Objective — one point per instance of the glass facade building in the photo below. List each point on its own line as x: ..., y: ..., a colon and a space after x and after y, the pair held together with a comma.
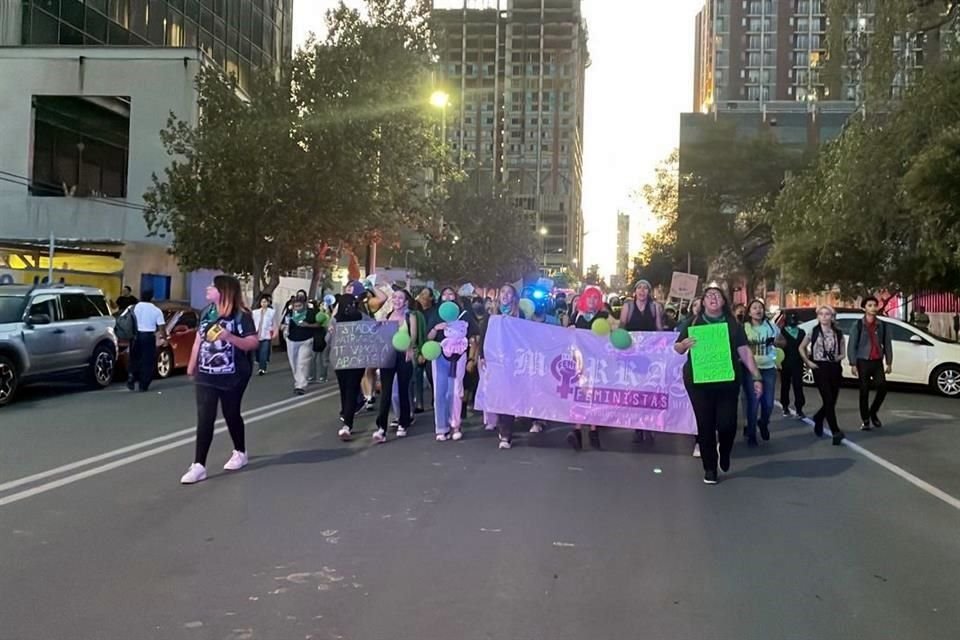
x: 240, y: 35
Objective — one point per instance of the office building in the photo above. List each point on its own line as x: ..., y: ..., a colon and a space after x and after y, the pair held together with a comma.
x: 88, y: 86
x: 515, y: 71
x: 769, y: 51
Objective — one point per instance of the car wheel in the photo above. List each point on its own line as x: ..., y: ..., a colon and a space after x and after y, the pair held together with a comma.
x: 9, y: 379
x: 164, y: 363
x: 102, y: 366
x: 808, y: 377
x: 946, y: 380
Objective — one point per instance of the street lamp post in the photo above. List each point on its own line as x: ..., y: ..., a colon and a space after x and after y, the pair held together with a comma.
x: 441, y: 99
x: 543, y: 246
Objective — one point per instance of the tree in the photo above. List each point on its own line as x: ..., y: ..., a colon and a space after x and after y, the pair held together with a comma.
x: 485, y: 240
x: 335, y: 151
x: 878, y: 209
x: 232, y: 196
x: 661, y: 253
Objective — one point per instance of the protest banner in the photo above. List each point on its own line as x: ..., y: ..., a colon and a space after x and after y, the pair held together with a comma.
x: 551, y: 373
x: 363, y: 344
x: 683, y: 286
x: 710, y: 358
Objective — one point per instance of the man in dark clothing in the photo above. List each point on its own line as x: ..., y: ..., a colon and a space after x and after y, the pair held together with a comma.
x: 126, y: 300
x: 791, y: 371
x: 870, y: 345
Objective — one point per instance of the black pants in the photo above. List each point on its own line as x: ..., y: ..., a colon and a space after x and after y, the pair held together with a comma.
x: 715, y: 407
x: 143, y: 359
x: 402, y: 371
x: 871, y: 371
x: 229, y: 400
x: 791, y: 376
x: 349, y: 382
x: 828, y: 375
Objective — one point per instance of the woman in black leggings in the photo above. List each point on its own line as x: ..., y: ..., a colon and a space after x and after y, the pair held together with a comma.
x: 349, y: 380
x: 822, y: 352
x: 221, y: 363
x: 401, y: 369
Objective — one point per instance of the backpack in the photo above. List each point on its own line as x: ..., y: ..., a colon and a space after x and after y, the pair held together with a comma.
x: 126, y: 327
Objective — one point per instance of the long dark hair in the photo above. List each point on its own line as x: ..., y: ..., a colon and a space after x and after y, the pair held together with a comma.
x: 231, y: 296
x: 347, y: 309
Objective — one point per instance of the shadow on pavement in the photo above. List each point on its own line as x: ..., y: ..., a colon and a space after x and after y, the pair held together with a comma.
x: 819, y: 468
x: 305, y: 456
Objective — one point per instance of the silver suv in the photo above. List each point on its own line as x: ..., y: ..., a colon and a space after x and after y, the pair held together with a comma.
x: 50, y: 332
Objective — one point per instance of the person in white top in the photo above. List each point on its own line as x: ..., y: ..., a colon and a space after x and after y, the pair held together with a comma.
x: 264, y: 319
x: 142, y: 363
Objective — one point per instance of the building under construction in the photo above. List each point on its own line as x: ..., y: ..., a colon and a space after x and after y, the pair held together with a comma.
x: 514, y: 71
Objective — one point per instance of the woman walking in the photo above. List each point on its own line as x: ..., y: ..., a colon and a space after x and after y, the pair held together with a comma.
x: 348, y: 380
x: 300, y: 329
x: 643, y: 313
x: 264, y: 318
x: 822, y: 351
x: 449, y: 371
x: 590, y: 307
x: 221, y: 364
x: 401, y: 370
x: 508, y: 305
x: 715, y: 403
x: 761, y: 336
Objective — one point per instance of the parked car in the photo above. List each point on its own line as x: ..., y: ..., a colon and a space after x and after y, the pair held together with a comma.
x: 50, y: 332
x: 806, y: 314
x: 181, y: 323
x: 918, y: 357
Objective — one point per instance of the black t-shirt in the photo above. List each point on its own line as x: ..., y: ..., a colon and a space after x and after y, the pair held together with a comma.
x: 738, y: 338
x: 220, y: 364
x: 296, y: 331
x: 582, y: 323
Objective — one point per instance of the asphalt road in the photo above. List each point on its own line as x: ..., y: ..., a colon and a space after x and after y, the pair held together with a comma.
x: 423, y: 540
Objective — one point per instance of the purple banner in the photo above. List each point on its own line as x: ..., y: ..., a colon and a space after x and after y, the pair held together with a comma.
x: 565, y: 375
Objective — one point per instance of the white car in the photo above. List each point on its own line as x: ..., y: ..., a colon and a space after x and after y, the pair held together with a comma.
x: 918, y: 357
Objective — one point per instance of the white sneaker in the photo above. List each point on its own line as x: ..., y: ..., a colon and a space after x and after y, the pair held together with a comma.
x: 395, y: 424
x: 379, y: 436
x: 696, y: 450
x: 345, y: 434
x: 536, y: 427
x: 489, y: 427
x: 196, y: 473
x: 504, y: 444
x: 401, y: 432
x: 458, y: 435
x: 441, y: 437
x: 236, y: 462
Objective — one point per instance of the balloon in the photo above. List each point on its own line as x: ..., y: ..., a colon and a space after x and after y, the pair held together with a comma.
x: 431, y: 350
x: 322, y: 319
x: 329, y: 300
x: 601, y: 327
x: 449, y: 311
x: 401, y: 341
x: 526, y: 305
x: 780, y: 356
x: 621, y: 339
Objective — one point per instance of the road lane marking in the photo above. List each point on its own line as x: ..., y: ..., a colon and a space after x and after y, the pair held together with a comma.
x: 923, y: 485
x: 287, y: 405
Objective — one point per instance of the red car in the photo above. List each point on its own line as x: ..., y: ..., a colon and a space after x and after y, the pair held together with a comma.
x: 182, y: 323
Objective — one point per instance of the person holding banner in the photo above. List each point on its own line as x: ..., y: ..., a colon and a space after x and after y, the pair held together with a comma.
x: 508, y: 304
x: 717, y: 346
x: 590, y: 306
x: 761, y: 336
x: 348, y: 380
x: 401, y: 371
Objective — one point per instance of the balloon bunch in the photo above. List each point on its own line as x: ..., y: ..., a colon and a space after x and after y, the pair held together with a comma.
x: 619, y: 338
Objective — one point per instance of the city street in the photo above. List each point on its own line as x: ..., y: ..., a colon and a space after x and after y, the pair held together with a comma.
x: 418, y: 539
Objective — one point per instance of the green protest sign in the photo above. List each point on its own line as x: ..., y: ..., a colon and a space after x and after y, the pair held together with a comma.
x: 710, y: 358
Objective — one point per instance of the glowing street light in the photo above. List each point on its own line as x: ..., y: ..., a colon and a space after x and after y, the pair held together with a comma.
x: 440, y: 99
x: 544, y: 231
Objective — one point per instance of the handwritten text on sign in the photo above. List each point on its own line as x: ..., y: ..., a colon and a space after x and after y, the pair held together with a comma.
x: 710, y: 358
x: 363, y: 345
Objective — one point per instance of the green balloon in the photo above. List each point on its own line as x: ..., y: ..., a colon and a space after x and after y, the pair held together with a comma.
x: 322, y: 319
x: 449, y: 312
x: 526, y: 305
x: 431, y: 350
x: 401, y: 341
x: 780, y: 356
x: 621, y: 339
x: 601, y: 327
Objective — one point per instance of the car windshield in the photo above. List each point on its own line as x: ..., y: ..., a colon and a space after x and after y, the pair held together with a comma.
x: 11, y: 309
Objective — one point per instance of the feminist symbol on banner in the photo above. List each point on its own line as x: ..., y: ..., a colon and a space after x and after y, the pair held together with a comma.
x: 565, y: 370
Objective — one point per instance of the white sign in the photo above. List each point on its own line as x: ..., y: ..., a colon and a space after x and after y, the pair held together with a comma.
x: 683, y: 285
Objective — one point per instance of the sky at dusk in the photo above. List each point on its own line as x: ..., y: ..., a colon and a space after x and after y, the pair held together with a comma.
x: 640, y: 80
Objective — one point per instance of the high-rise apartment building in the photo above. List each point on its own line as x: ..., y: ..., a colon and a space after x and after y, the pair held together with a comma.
x: 765, y: 51
x: 623, y: 247
x: 240, y: 35
x: 514, y: 70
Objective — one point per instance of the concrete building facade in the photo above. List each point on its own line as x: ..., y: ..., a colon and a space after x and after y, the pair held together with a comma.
x: 515, y: 72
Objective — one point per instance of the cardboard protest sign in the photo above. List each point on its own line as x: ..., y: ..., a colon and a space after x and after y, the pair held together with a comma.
x: 365, y: 344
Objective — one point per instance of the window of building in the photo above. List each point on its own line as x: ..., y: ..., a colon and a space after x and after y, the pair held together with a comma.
x: 80, y: 146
